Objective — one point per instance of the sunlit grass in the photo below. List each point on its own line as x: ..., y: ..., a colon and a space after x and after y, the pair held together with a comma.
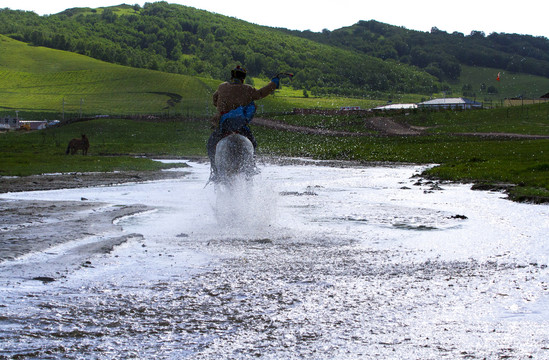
x: 115, y: 143
x: 46, y: 80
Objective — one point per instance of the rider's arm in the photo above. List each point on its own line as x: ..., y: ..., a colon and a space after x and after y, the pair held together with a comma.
x: 264, y: 91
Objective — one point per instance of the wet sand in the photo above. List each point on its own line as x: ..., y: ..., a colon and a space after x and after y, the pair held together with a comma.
x: 32, y: 227
x: 67, y: 233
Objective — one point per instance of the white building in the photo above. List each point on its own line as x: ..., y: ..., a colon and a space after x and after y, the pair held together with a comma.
x: 397, y: 107
x: 450, y: 103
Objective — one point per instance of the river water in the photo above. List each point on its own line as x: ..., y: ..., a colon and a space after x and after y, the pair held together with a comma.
x: 312, y: 262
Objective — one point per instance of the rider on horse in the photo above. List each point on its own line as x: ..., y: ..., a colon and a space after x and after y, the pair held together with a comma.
x: 235, y: 106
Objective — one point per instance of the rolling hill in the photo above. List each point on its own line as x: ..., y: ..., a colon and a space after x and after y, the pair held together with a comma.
x: 47, y: 82
x: 183, y: 40
x: 181, y: 53
x: 42, y: 79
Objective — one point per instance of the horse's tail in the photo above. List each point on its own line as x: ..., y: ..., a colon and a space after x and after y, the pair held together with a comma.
x: 68, y: 149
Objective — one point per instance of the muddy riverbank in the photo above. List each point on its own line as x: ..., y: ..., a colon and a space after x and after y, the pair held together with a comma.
x: 79, y: 180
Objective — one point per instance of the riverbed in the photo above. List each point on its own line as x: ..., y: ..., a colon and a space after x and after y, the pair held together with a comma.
x: 314, y: 261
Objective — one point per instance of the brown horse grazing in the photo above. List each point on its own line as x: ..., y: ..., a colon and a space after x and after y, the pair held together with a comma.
x: 78, y: 144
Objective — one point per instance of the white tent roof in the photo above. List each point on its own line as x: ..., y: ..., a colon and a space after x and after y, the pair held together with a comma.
x: 450, y: 101
x: 396, y: 107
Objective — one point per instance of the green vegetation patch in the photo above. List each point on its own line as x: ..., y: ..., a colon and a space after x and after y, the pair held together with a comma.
x: 531, y: 120
x: 115, y: 145
x: 517, y: 165
x: 33, y: 162
x: 520, y: 165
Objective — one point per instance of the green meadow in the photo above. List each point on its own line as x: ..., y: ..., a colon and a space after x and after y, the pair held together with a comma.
x: 39, y: 82
x: 510, y: 85
x: 37, y: 79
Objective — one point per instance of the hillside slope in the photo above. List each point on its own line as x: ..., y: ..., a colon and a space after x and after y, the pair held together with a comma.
x: 438, y: 52
x: 179, y: 39
x: 38, y: 78
x: 365, y: 60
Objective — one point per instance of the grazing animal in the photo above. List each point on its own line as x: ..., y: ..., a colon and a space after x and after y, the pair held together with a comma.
x: 78, y: 144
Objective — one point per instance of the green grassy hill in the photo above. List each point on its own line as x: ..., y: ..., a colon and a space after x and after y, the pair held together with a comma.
x: 42, y: 79
x: 443, y: 55
x: 180, y: 39
x: 40, y: 82
x: 366, y: 60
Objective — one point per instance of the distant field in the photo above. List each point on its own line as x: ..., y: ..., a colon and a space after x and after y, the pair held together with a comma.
x: 532, y: 119
x: 510, y: 84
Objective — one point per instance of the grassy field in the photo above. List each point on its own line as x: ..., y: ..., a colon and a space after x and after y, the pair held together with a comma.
x: 464, y: 159
x: 41, y: 80
x: 118, y: 144
x: 493, y: 161
x: 510, y: 84
x: 533, y: 120
x: 38, y: 81
x: 115, y: 144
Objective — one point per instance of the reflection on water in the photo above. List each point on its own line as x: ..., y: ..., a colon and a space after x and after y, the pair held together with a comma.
x: 326, y: 263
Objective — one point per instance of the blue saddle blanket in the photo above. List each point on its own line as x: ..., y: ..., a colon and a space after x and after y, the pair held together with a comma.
x: 237, y: 118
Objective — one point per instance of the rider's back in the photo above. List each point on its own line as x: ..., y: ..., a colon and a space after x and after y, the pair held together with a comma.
x: 230, y: 96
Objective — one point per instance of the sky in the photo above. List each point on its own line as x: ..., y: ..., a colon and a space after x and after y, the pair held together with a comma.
x: 527, y: 17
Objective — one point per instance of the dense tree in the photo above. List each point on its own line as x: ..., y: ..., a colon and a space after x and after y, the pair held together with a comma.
x: 366, y: 57
x: 439, y: 52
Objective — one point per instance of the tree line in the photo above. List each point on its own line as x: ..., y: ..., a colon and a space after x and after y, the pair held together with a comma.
x: 361, y: 60
x: 184, y: 40
x: 439, y: 53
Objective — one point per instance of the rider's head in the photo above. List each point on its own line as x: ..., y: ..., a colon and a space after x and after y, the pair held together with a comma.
x: 238, y: 73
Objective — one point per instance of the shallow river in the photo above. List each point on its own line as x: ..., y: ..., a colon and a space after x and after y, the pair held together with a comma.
x: 314, y: 262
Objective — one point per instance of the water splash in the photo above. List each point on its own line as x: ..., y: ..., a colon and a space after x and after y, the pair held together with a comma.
x: 246, y: 206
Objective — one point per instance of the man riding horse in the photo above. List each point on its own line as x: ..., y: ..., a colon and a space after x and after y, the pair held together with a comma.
x: 235, y: 106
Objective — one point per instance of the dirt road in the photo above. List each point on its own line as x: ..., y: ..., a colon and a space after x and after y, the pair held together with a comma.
x: 383, y: 126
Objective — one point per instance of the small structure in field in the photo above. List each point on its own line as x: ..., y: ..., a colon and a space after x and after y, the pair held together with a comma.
x: 451, y: 103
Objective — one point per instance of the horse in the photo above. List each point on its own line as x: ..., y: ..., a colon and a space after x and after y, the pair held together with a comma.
x: 78, y: 144
x: 234, y: 156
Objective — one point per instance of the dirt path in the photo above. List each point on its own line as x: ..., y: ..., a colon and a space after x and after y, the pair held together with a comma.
x: 384, y: 126
x: 388, y: 126
x: 279, y: 125
x: 504, y: 135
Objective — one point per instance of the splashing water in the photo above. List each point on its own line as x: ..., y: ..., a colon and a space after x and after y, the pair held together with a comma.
x: 248, y: 205
x: 304, y: 262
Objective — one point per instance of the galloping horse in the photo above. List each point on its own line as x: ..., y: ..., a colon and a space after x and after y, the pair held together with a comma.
x: 78, y: 144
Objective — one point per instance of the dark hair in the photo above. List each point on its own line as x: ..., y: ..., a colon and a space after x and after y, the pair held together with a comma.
x: 238, y: 73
